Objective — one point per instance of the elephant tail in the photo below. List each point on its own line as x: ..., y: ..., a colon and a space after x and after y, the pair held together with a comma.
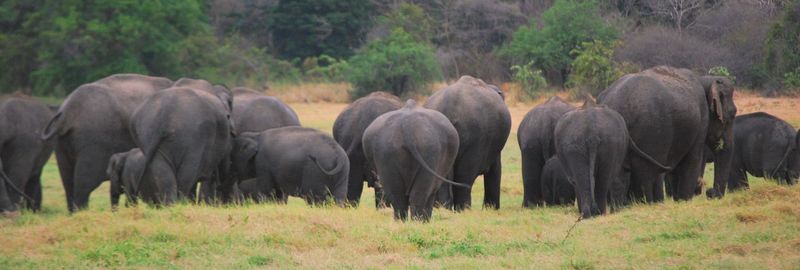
x: 52, y: 126
x: 411, y: 146
x: 149, y: 155
x: 13, y: 186
x: 338, y: 168
x: 775, y: 171
x: 647, y: 157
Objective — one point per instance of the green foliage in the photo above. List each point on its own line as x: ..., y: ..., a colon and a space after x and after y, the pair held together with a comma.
x: 721, y: 71
x: 412, y: 19
x: 397, y: 64
x: 304, y: 28
x: 593, y: 69
x: 324, y: 68
x: 782, y: 57
x: 528, y: 78
x: 567, y: 24
x: 792, y: 79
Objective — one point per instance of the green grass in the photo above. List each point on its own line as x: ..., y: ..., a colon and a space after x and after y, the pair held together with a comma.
x: 759, y: 228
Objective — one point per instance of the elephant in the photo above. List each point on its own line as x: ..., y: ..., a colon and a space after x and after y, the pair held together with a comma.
x: 556, y: 188
x: 22, y: 153
x: 255, y: 112
x: 296, y: 161
x: 410, y: 149
x: 673, y: 114
x: 91, y: 125
x: 478, y: 112
x: 535, y: 136
x: 348, y: 130
x: 124, y: 170
x: 766, y: 146
x: 187, y: 128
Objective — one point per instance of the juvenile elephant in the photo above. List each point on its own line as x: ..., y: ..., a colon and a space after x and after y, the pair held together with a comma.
x: 479, y: 114
x: 256, y: 112
x: 766, y: 146
x: 189, y: 129
x: 22, y: 153
x: 556, y: 188
x: 91, y: 125
x: 411, y: 149
x: 348, y: 130
x: 124, y: 170
x: 535, y: 136
x: 673, y: 114
x: 294, y: 161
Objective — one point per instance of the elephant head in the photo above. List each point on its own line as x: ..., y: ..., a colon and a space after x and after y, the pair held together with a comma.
x: 243, y: 156
x: 793, y: 160
x: 722, y: 110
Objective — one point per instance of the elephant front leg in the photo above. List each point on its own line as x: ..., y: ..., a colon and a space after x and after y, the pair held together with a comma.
x: 491, y: 197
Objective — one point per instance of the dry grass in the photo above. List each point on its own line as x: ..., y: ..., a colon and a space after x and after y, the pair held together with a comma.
x: 759, y: 228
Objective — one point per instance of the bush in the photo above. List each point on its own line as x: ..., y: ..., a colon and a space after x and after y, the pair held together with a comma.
x: 397, y: 64
x: 593, y: 69
x: 567, y: 24
x: 529, y: 79
x: 721, y: 71
x: 782, y: 59
x: 792, y: 79
x: 325, y: 68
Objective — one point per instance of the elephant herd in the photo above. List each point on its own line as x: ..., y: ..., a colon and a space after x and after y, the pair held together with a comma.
x: 648, y: 135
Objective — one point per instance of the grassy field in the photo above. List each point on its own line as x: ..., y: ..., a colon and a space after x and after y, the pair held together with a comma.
x: 756, y: 229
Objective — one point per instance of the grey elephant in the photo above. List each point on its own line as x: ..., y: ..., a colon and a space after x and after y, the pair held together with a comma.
x: 348, y: 130
x: 766, y: 146
x: 255, y: 112
x: 591, y: 143
x: 535, y: 136
x: 672, y: 115
x: 22, y: 153
x: 291, y: 161
x: 91, y: 125
x: 411, y: 149
x: 555, y: 186
x: 124, y: 171
x: 188, y: 128
x: 479, y: 114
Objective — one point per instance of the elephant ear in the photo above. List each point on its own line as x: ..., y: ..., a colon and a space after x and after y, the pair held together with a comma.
x: 247, y: 149
x: 715, y: 101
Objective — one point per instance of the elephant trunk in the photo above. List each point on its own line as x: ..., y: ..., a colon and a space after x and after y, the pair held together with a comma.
x: 722, y: 164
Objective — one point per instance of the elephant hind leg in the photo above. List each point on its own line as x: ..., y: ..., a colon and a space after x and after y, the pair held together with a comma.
x: 89, y: 174
x: 687, y: 173
x: 533, y: 194
x: 34, y: 191
x: 738, y: 180
x: 491, y: 180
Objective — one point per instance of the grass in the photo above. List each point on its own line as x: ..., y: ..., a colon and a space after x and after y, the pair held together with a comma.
x: 759, y: 228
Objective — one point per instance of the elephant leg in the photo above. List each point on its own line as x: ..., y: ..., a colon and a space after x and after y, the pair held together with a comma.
x: 491, y: 181
x: 66, y: 168
x: 167, y: 191
x: 421, y: 205
x: 738, y: 180
x: 687, y: 173
x: 380, y: 198
x: 89, y: 174
x: 18, y: 170
x: 34, y: 191
x: 6, y: 205
x: 208, y: 192
x: 444, y: 196
x: 658, y: 189
x: 355, y: 184
x: 532, y: 194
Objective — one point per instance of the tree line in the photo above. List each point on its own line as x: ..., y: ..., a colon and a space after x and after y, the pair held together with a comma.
x: 49, y: 47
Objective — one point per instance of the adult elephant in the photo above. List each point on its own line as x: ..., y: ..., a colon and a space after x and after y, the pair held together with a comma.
x: 766, y: 146
x: 348, y: 130
x: 22, y: 153
x: 672, y: 115
x: 535, y: 136
x: 479, y: 114
x: 187, y: 127
x: 256, y: 112
x: 411, y: 149
x: 91, y: 125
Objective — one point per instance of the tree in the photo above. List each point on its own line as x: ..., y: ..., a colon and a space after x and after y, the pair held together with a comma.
x: 594, y: 69
x: 411, y: 18
x: 567, y: 24
x: 682, y: 13
x: 304, y: 28
x: 782, y: 60
x: 397, y: 64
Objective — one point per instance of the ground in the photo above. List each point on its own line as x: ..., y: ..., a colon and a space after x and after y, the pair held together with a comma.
x: 758, y: 228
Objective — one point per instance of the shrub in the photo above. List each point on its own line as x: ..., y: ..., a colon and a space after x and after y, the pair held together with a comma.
x: 397, y: 64
x: 529, y: 79
x: 325, y: 68
x: 593, y: 69
x: 721, y: 71
x: 792, y: 79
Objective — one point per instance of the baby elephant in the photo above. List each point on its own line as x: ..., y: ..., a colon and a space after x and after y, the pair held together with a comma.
x: 556, y: 188
x: 411, y: 149
x: 124, y: 170
x: 766, y: 146
x: 294, y: 161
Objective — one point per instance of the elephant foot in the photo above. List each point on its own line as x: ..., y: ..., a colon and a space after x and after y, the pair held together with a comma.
x: 11, y: 214
x: 712, y: 193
